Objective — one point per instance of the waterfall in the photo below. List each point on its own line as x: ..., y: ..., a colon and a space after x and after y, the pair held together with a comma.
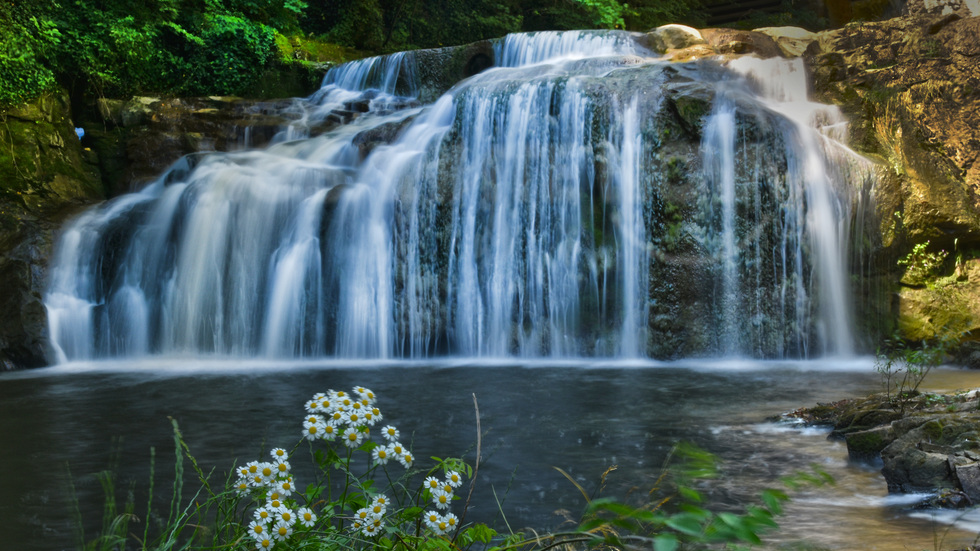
x: 554, y: 205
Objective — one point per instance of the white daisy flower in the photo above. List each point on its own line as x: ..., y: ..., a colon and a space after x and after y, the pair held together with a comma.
x: 285, y: 487
x: 441, y: 498
x: 314, y: 419
x: 274, y: 495
x: 275, y: 506
x: 390, y: 433
x: 253, y: 467
x: 279, y: 454
x: 353, y: 437
x: 432, y: 519
x: 406, y: 459
x: 451, y: 520
x: 380, y: 455
x: 370, y: 530
x: 312, y: 431
x: 375, y: 415
x: 242, y: 487
x: 357, y: 406
x: 320, y: 396
x: 263, y: 515
x: 257, y: 480
x: 243, y: 472
x: 396, y: 449
x: 306, y: 517
x: 454, y: 479
x: 354, y: 419
x: 281, y: 467
x: 329, y: 432
x: 312, y: 406
x: 377, y: 509
x: 381, y: 500
x: 281, y: 530
x: 268, y: 471
x: 363, y: 515
x: 337, y: 417
x: 431, y: 483
x: 287, y: 516
x: 256, y: 529
x: 264, y: 542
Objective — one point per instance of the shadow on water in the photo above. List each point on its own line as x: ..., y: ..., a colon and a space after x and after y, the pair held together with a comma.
x: 582, y: 418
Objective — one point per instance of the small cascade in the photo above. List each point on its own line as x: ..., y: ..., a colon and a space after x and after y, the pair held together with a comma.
x: 555, y: 205
x: 516, y: 50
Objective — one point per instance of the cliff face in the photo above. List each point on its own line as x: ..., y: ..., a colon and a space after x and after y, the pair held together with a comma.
x: 911, y: 87
x: 45, y: 175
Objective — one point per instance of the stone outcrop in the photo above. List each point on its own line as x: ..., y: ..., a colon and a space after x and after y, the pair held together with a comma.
x: 45, y: 176
x: 925, y: 443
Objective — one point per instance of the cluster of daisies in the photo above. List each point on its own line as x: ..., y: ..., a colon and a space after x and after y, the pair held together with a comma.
x: 441, y: 494
x: 350, y: 416
x: 272, y: 483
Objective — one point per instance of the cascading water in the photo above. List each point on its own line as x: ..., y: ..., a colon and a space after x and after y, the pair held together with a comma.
x: 563, y: 203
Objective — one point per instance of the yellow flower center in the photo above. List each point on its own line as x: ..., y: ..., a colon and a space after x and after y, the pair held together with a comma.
x: 307, y: 517
x: 283, y: 468
x: 258, y: 528
x: 283, y: 530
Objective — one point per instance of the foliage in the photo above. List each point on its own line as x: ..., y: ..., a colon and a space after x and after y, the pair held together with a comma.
x: 904, y: 367
x: 921, y: 264
x: 607, y: 14
x: 222, y: 46
x: 359, y: 499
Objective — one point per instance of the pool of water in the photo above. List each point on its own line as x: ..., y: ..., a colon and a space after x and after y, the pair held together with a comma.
x: 582, y: 417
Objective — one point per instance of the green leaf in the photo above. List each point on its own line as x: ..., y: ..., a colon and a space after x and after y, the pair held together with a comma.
x: 686, y: 523
x: 665, y: 542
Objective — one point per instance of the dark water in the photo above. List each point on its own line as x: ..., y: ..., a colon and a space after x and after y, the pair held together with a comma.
x: 582, y: 418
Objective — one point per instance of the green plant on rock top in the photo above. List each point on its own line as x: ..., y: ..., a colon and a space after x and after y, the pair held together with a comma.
x: 904, y: 367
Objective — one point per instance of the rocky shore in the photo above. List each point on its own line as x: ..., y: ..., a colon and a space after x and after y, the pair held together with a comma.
x: 924, y: 442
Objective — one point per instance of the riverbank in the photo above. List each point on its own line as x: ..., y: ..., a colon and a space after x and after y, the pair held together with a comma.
x: 924, y: 441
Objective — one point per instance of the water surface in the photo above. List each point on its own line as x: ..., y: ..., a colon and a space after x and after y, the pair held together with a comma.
x: 581, y: 417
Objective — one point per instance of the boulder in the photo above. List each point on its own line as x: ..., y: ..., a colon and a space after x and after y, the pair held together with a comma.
x: 671, y: 37
x: 792, y: 41
x: 734, y: 41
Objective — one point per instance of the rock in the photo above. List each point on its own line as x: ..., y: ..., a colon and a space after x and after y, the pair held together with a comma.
x: 922, y: 459
x: 792, y: 41
x: 958, y: 8
x: 865, y: 445
x: 671, y: 37
x: 969, y: 480
x: 734, y: 41
x: 44, y: 177
x: 439, y: 69
x: 911, y: 86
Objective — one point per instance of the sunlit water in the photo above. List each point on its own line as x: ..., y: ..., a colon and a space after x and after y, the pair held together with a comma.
x: 580, y: 417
